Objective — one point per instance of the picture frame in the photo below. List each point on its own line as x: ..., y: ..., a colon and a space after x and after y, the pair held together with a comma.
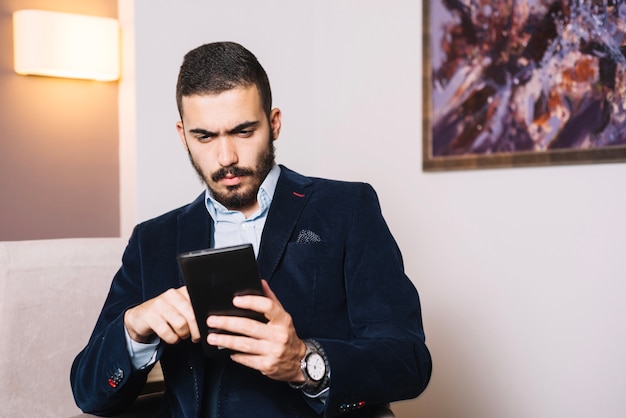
x: 508, y: 86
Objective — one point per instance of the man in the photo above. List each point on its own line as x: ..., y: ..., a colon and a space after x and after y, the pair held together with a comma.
x: 344, y: 330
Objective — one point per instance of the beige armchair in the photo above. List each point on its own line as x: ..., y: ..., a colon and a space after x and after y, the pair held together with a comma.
x: 51, y: 292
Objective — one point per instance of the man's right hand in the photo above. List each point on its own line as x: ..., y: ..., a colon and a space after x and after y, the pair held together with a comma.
x: 168, y: 316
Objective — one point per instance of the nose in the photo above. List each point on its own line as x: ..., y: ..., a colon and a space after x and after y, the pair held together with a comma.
x: 227, y: 153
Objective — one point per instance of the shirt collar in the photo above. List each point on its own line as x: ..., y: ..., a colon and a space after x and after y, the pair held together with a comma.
x: 264, y: 197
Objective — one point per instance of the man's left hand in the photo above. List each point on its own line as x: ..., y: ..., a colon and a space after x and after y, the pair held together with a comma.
x: 273, y: 348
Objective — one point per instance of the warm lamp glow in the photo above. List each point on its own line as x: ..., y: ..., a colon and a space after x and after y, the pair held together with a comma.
x: 66, y: 45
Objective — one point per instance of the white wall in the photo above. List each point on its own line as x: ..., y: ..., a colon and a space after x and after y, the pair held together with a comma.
x: 521, y: 271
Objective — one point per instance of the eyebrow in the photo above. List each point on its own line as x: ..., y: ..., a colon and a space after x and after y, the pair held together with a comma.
x: 241, y: 127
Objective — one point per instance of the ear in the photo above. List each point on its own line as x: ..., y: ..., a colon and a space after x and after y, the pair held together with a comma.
x: 181, y: 133
x: 275, y: 122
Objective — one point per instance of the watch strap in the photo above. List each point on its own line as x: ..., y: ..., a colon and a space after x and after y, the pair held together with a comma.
x: 309, y: 386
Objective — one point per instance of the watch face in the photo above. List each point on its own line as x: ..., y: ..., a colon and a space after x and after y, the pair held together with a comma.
x: 315, y: 367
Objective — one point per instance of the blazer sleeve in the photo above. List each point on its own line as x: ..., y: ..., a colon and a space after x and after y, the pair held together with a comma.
x: 102, y: 377
x: 387, y: 359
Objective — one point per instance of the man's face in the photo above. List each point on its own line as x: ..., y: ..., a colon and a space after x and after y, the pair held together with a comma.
x: 230, y: 143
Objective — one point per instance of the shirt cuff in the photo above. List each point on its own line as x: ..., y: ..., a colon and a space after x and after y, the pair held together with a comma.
x: 317, y: 402
x: 142, y: 355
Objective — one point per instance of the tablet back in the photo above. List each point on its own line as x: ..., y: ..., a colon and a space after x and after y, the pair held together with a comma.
x: 214, y: 277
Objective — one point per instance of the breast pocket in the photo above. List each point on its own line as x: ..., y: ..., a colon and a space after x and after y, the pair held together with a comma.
x: 310, y: 285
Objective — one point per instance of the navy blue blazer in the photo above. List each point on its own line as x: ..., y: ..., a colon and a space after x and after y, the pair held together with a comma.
x: 329, y: 256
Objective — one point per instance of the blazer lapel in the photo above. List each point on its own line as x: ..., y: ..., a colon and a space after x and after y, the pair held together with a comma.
x: 292, y: 193
x: 194, y: 228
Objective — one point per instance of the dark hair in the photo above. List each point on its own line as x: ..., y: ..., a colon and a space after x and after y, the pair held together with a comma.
x: 220, y: 66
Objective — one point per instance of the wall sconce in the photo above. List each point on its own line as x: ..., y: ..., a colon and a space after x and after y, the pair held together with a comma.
x: 66, y: 45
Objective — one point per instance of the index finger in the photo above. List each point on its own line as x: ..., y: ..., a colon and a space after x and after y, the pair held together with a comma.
x: 269, y: 305
x: 190, y: 316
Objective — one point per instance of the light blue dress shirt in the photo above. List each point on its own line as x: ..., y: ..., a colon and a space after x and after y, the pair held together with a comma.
x: 231, y: 227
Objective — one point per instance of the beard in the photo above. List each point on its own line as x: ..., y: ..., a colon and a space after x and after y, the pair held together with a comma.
x: 238, y: 197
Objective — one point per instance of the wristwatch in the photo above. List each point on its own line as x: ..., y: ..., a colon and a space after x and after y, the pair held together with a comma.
x: 315, y: 368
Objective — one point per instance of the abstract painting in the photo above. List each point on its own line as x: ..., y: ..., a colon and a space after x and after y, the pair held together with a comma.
x: 511, y: 83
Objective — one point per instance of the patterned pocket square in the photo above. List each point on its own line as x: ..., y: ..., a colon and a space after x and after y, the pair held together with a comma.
x: 307, y: 235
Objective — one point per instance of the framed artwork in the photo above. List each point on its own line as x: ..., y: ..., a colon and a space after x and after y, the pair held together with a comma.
x: 510, y: 83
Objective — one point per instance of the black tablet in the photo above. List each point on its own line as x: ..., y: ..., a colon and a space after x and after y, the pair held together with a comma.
x: 214, y: 277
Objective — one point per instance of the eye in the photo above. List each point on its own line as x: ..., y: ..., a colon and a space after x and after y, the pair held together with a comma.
x: 245, y: 133
x: 204, y: 137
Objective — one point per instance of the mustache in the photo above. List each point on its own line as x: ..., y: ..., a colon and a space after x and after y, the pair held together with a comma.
x: 231, y: 171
